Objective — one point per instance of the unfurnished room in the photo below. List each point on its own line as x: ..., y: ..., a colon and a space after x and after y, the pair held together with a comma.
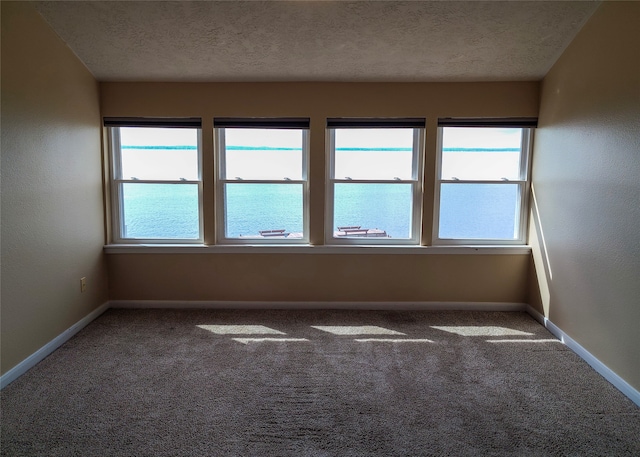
x: 320, y: 228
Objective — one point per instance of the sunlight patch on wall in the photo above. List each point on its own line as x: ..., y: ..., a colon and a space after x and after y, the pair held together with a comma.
x: 241, y: 330
x: 542, y: 264
x: 535, y: 212
x: 355, y: 330
x: 481, y: 331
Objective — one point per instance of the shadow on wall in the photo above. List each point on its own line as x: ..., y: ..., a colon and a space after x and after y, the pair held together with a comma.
x: 541, y: 275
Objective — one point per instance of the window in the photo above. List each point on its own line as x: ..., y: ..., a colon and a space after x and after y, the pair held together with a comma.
x: 156, y: 180
x: 373, y: 181
x: 374, y: 187
x: 482, y: 181
x: 262, y: 188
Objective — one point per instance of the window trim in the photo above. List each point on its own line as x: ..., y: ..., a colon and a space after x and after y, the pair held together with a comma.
x: 220, y: 125
x: 418, y: 126
x: 309, y: 249
x: 524, y: 185
x: 116, y: 180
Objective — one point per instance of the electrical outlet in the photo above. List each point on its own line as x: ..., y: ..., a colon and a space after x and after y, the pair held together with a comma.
x: 83, y: 284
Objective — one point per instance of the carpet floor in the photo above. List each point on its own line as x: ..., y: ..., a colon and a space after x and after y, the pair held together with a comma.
x: 315, y: 383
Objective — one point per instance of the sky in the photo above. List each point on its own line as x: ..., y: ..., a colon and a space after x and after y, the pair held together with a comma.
x: 287, y: 163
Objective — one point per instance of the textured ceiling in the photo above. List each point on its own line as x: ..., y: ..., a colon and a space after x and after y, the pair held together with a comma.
x: 317, y: 40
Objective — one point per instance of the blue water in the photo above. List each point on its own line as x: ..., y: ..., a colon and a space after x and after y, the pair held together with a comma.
x: 160, y: 211
x: 171, y: 211
x: 255, y: 207
x: 478, y: 211
x: 374, y: 206
x: 168, y: 211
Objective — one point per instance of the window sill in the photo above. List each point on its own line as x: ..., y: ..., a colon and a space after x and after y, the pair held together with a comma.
x: 309, y: 249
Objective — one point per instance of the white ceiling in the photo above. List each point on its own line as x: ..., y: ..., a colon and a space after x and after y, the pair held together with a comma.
x: 300, y: 40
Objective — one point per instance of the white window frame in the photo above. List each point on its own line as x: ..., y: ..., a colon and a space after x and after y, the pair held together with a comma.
x: 117, y: 180
x: 221, y: 180
x: 416, y: 182
x: 523, y: 183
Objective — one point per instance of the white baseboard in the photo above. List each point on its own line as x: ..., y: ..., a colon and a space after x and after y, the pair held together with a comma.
x: 51, y: 346
x: 355, y: 305
x: 622, y: 385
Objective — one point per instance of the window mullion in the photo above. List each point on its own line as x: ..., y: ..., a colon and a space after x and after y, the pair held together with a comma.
x: 416, y: 220
x: 416, y: 154
x: 222, y: 153
x: 330, y: 187
x: 219, y: 185
x: 305, y: 155
x: 118, y: 220
x: 524, y: 154
x: 116, y: 148
x: 116, y: 191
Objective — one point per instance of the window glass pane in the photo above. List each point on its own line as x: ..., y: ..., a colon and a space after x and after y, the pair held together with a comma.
x: 479, y: 211
x: 159, y: 153
x: 274, y: 154
x: 160, y: 211
x: 273, y: 209
x: 372, y: 210
x: 470, y: 153
x: 373, y: 154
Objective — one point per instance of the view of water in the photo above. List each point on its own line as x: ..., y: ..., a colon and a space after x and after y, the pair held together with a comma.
x: 468, y: 211
x: 160, y: 210
x: 171, y: 211
x: 484, y: 211
x: 478, y: 211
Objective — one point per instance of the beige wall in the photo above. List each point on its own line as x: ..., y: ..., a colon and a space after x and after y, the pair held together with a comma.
x: 319, y: 101
x: 52, y: 217
x: 319, y: 277
x: 311, y: 277
x: 586, y: 178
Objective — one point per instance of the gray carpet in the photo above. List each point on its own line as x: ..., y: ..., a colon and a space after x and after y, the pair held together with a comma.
x: 154, y: 383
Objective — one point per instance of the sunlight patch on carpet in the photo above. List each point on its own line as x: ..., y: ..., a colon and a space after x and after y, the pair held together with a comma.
x: 241, y: 330
x: 391, y: 340
x: 356, y: 330
x: 481, y: 331
x: 268, y: 340
x: 525, y: 341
